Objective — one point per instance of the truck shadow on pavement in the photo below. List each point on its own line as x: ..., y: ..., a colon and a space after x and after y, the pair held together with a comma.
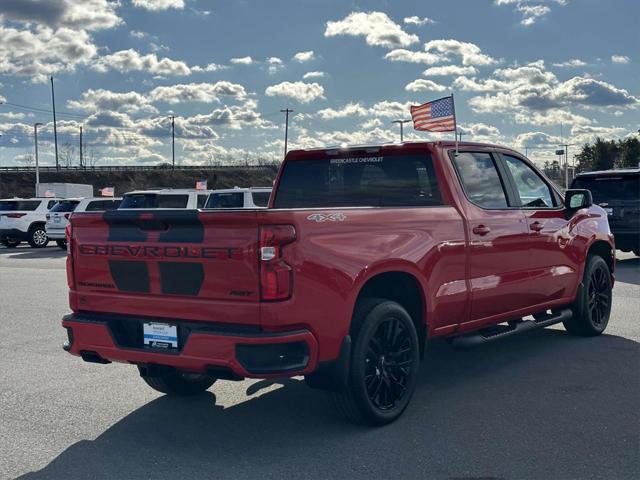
x: 33, y: 253
x: 543, y: 405
x: 628, y: 270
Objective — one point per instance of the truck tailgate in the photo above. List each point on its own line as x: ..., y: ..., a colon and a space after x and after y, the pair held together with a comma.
x: 171, y: 264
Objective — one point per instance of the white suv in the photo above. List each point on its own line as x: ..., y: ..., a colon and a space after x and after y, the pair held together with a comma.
x: 166, y: 198
x: 58, y: 216
x: 24, y: 219
x: 254, y: 197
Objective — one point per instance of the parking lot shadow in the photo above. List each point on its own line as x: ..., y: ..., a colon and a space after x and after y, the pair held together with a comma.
x: 544, y: 405
x: 33, y: 253
x: 628, y: 270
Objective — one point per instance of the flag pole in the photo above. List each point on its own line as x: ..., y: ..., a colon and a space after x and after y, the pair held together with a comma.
x: 455, y: 123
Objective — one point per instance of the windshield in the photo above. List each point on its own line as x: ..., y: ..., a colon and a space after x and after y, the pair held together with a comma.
x: 384, y: 181
x: 65, y: 206
x: 18, y: 205
x: 154, y: 200
x: 611, y: 189
x: 226, y: 200
x: 261, y: 199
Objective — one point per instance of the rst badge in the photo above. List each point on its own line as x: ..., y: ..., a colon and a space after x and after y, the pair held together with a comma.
x: 327, y: 217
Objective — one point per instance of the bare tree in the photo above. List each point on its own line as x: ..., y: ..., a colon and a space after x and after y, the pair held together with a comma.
x: 67, y: 154
x: 27, y: 159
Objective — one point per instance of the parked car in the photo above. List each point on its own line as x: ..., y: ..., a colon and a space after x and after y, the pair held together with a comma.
x: 618, y: 192
x: 24, y: 219
x: 254, y: 197
x: 58, y: 216
x: 165, y: 198
x: 362, y: 255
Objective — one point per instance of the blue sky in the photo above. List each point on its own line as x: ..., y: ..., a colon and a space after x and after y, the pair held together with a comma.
x: 518, y: 69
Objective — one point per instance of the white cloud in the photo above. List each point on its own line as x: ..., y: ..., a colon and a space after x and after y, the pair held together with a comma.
x: 156, y: 5
x: 415, y: 20
x: 314, y: 74
x: 304, y: 56
x: 620, y: 59
x: 100, y: 99
x: 131, y: 60
x: 531, y: 13
x: 197, y: 92
x: 348, y: 110
x: 422, y: 85
x: 300, y: 91
x: 449, y: 70
x: 377, y: 28
x: 469, y: 52
x: 274, y: 64
x: 242, y: 60
x: 211, y: 67
x: 480, y: 132
x: 410, y: 56
x: 572, y: 63
x: 73, y: 14
x: 137, y: 34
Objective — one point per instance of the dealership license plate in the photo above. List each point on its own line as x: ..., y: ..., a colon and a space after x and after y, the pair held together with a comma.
x: 609, y: 211
x: 160, y: 335
x: 56, y: 219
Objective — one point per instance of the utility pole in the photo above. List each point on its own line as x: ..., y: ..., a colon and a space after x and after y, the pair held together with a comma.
x: 80, y: 146
x: 35, y: 142
x: 173, y: 141
x: 286, y: 111
x: 401, y: 123
x: 55, y: 127
x: 460, y: 134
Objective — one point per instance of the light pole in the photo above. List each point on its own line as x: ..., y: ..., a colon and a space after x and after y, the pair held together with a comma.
x: 173, y: 141
x: 286, y: 112
x: 35, y: 142
x: 401, y: 123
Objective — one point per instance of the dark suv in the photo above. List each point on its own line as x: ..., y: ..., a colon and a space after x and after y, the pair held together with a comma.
x: 618, y: 192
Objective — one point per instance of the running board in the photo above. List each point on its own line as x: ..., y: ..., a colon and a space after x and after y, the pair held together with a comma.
x: 512, y: 328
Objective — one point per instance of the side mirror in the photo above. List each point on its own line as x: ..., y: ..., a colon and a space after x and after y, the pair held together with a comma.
x: 576, y: 199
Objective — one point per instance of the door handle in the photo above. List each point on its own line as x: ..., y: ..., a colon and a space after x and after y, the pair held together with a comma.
x: 481, y: 230
x: 536, y: 226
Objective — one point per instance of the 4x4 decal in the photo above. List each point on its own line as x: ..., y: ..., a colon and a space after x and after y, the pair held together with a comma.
x: 327, y: 217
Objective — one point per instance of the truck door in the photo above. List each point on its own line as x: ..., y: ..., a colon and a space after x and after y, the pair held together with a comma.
x: 498, y: 234
x: 553, y: 259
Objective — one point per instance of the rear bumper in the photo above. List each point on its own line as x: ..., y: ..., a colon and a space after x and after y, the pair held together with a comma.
x: 12, y: 233
x: 55, y: 233
x: 202, y: 347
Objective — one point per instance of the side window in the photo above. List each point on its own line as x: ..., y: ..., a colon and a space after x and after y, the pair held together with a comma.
x: 51, y: 204
x: 480, y: 179
x: 202, y: 200
x: 101, y: 205
x: 533, y: 191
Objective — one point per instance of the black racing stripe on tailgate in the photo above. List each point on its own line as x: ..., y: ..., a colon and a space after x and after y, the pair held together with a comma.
x: 184, y: 227
x: 122, y: 227
x: 130, y: 276
x: 179, y: 278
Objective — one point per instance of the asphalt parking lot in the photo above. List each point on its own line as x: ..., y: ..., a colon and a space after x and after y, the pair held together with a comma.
x: 542, y: 406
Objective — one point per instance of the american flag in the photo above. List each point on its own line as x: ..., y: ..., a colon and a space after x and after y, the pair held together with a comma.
x: 436, y: 116
x: 107, y: 191
x: 201, y: 185
x: 49, y: 194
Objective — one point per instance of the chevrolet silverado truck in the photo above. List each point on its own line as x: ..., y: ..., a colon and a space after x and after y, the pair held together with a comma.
x: 362, y: 256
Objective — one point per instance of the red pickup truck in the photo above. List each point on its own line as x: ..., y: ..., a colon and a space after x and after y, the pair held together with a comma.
x: 362, y: 256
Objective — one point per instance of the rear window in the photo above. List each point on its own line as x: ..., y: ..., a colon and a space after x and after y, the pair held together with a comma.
x: 19, y: 205
x: 153, y: 200
x: 65, y: 206
x: 226, y: 200
x: 102, y: 205
x: 611, y: 189
x: 261, y: 199
x: 378, y: 181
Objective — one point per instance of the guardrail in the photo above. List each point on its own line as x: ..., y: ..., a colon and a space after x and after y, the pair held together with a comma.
x: 137, y: 168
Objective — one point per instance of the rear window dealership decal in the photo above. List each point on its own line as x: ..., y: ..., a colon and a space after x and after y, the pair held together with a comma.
x: 356, y: 160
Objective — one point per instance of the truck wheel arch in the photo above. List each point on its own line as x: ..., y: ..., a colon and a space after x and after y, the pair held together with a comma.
x: 401, y: 287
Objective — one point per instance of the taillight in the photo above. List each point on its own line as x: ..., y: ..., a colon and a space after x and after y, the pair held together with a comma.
x: 276, y: 276
x: 67, y: 215
x: 15, y: 215
x: 68, y: 236
x: 48, y: 217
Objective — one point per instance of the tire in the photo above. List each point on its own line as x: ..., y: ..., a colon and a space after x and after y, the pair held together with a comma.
x: 182, y: 384
x: 384, y: 363
x: 636, y: 252
x: 62, y: 244
x: 11, y: 242
x: 38, y: 237
x: 592, y: 307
